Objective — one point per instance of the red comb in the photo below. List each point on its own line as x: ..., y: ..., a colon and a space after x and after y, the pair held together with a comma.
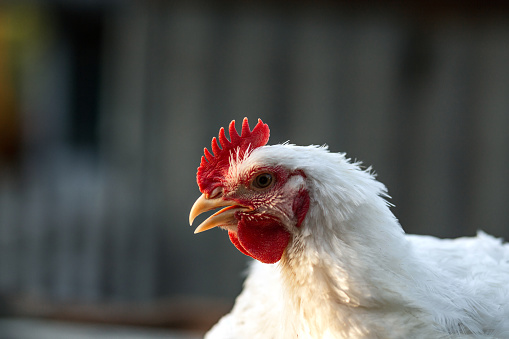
x: 213, y: 167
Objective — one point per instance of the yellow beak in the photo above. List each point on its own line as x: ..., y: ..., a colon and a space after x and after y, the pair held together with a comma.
x: 223, y: 217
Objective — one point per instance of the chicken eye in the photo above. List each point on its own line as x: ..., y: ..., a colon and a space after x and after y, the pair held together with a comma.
x: 263, y: 180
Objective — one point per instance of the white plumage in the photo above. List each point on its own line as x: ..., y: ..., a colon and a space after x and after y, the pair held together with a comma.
x: 349, y: 271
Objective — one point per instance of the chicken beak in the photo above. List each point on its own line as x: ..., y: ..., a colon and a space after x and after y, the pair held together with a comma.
x: 223, y: 217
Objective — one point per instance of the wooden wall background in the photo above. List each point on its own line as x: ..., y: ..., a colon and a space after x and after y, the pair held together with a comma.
x: 113, y: 118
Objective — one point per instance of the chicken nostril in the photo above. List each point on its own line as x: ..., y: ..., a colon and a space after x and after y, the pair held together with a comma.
x: 216, y: 192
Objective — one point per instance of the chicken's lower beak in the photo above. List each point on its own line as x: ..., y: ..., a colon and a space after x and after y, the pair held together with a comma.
x: 223, y: 217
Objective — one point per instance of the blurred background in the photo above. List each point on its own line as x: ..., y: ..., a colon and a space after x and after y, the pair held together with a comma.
x: 105, y: 107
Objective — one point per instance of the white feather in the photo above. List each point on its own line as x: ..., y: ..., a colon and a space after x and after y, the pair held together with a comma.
x: 351, y: 272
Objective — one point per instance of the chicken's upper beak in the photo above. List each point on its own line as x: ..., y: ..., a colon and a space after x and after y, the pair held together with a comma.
x: 223, y: 217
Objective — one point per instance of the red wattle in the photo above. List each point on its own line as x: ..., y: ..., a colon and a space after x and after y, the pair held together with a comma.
x: 264, y: 239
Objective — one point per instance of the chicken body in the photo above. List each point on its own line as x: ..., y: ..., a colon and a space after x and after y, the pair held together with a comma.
x: 348, y: 270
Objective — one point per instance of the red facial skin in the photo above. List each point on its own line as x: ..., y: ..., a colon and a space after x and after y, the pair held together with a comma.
x: 261, y: 233
x: 263, y: 236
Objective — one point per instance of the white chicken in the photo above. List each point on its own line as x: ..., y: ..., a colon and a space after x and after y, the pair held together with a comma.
x: 332, y: 261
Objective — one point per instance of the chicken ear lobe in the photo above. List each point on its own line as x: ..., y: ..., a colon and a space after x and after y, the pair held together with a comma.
x: 263, y: 238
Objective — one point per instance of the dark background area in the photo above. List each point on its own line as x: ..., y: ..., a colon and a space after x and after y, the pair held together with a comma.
x: 105, y: 107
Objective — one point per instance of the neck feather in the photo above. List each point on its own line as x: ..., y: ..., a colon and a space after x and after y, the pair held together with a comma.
x: 355, y: 266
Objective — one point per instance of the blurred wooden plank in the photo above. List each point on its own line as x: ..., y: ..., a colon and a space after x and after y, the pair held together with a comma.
x: 373, y: 77
x: 252, y: 59
x: 66, y: 229
x: 184, y: 313
x: 316, y: 98
x: 89, y: 264
x: 34, y: 226
x: 10, y: 255
x: 437, y: 161
x: 23, y: 328
x: 489, y: 191
x: 123, y: 143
